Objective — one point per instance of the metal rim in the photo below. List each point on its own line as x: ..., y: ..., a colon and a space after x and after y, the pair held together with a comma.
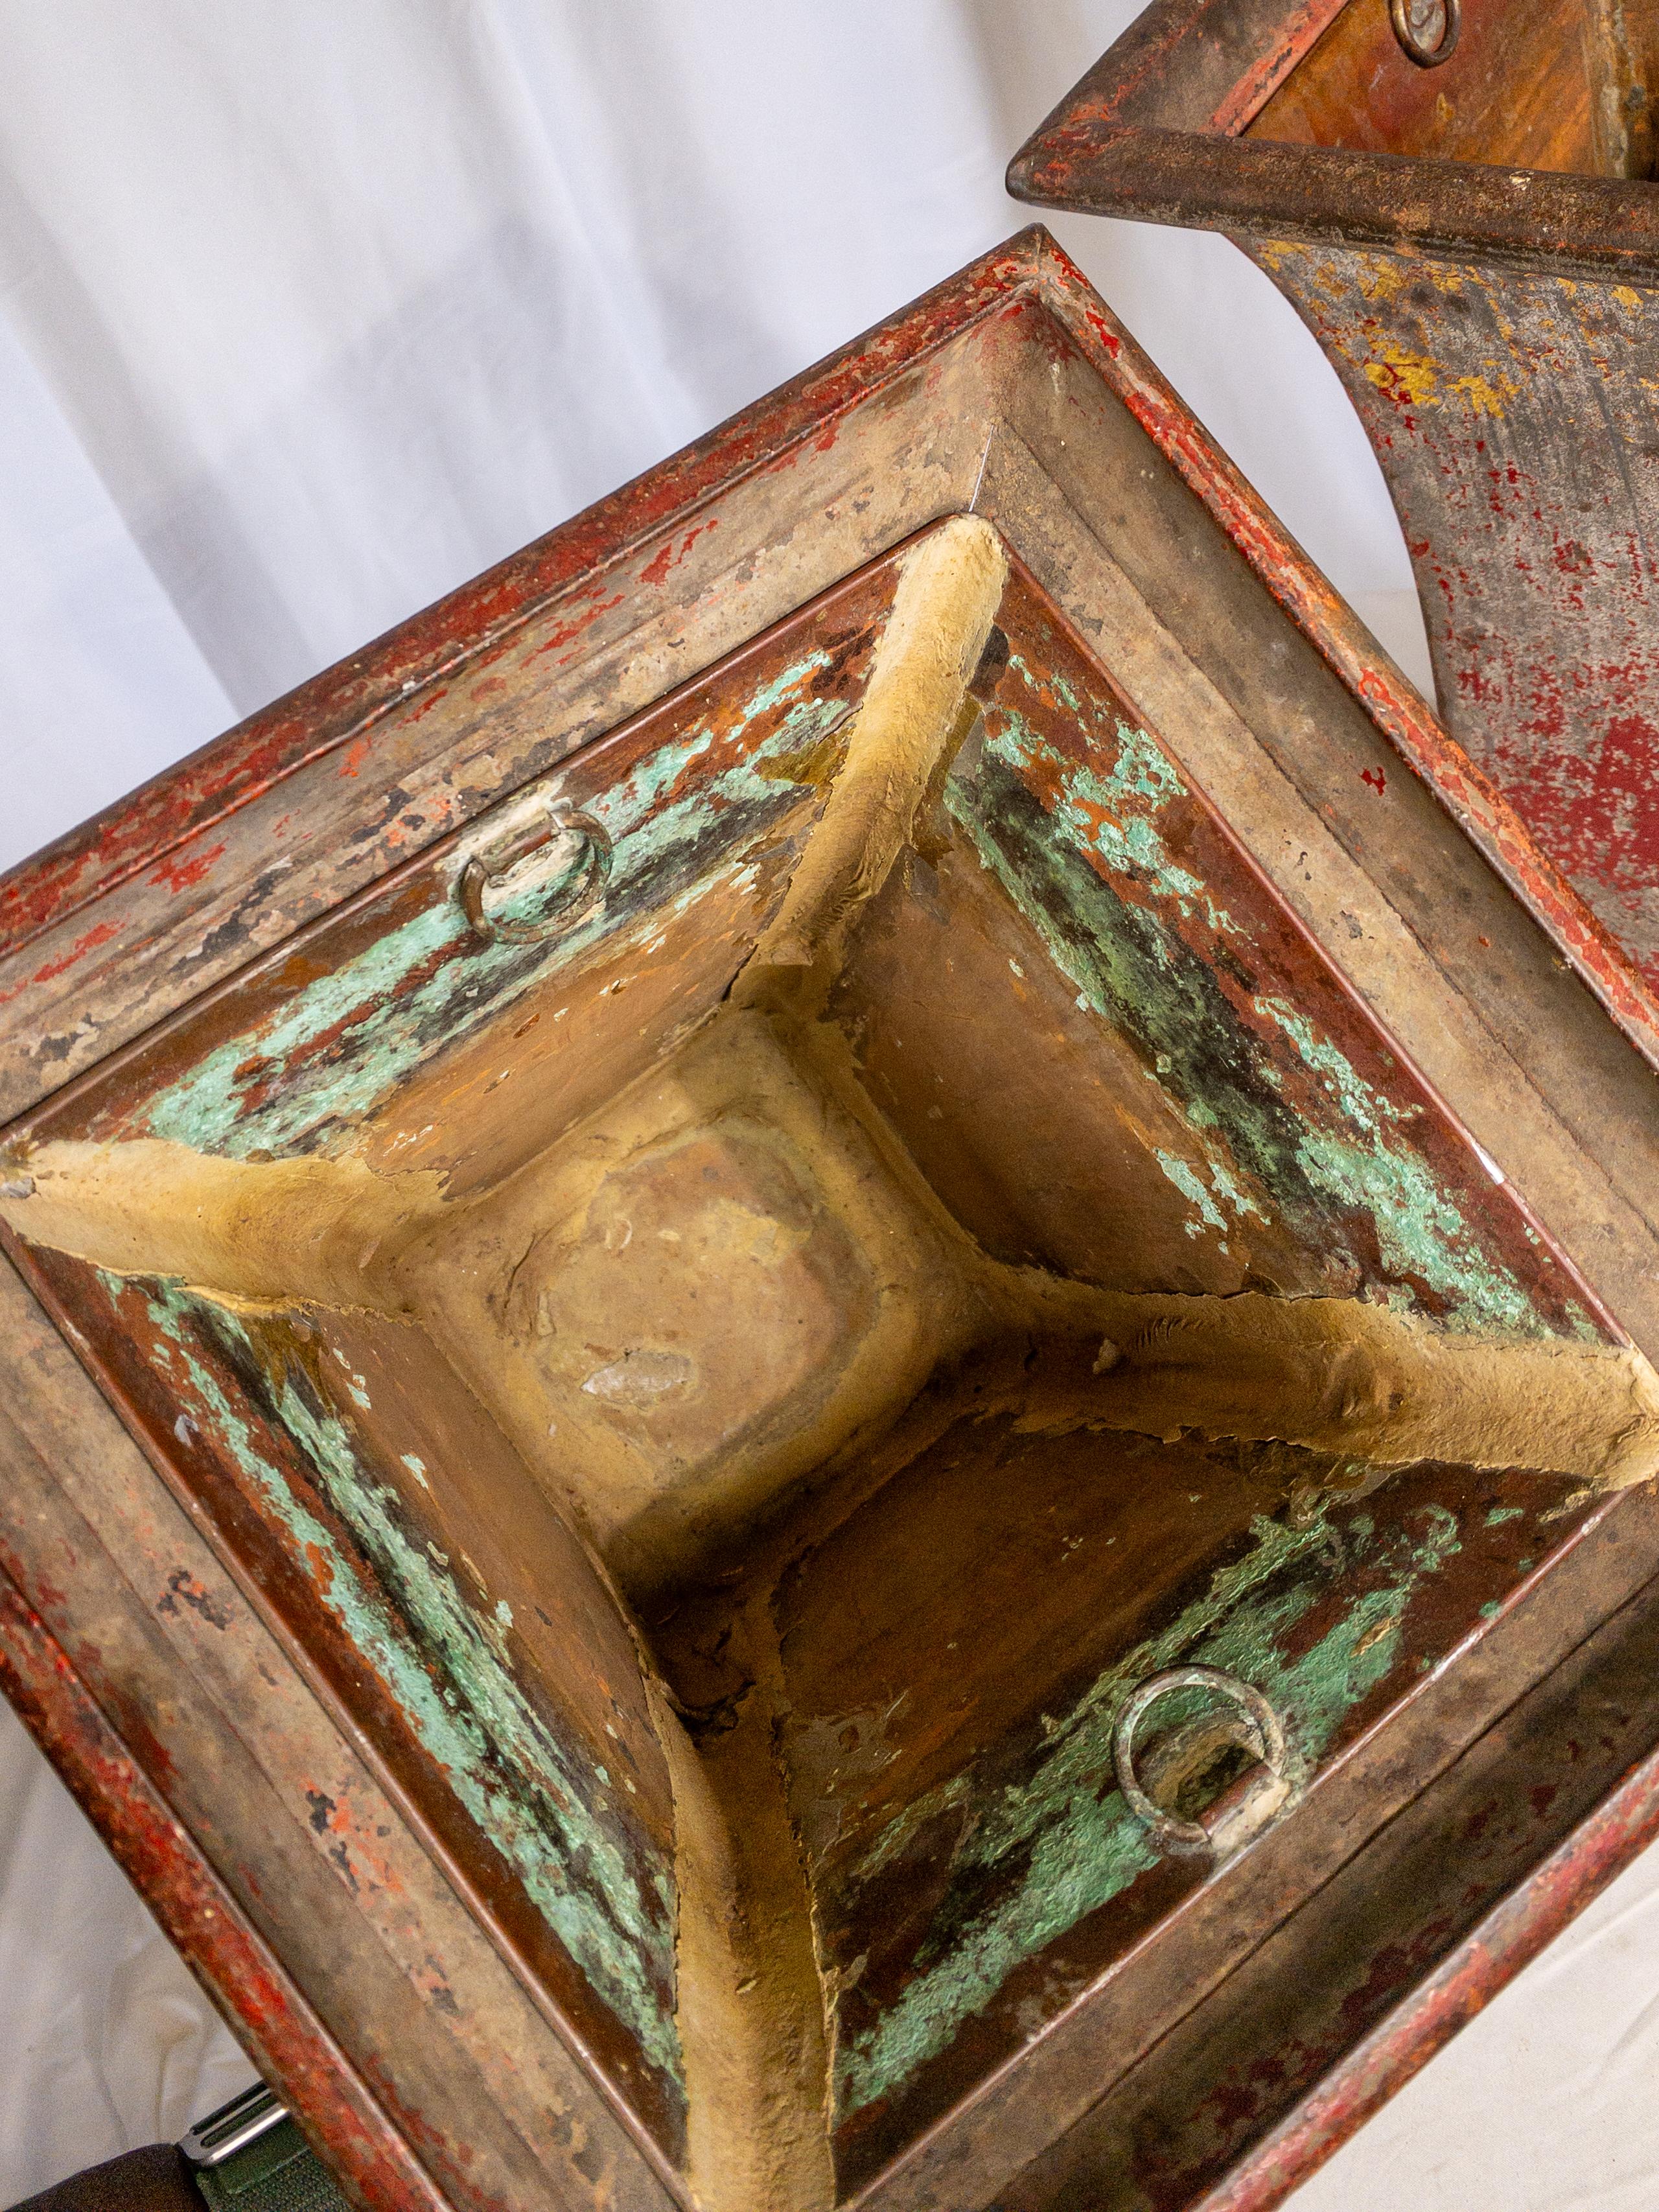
x: 583, y: 896
x: 1171, y: 1832
x: 1412, y: 46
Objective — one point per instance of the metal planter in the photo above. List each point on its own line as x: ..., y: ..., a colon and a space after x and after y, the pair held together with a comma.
x: 673, y: 1238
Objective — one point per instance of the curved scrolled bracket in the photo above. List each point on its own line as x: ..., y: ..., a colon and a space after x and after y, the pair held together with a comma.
x: 1460, y: 211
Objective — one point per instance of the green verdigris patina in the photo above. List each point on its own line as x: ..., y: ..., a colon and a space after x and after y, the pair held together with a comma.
x: 1062, y: 1843
x: 1302, y: 1118
x: 1092, y: 832
x: 311, y: 1073
x: 542, y: 1804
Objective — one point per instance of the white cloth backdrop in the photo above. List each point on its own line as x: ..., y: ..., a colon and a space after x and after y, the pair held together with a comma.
x: 309, y: 311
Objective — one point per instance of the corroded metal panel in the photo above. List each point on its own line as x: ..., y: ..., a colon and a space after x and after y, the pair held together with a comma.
x: 1492, y: 319
x: 706, y: 1409
x: 1516, y: 417
x: 200, y: 1916
x: 1475, y: 244
x: 1148, y: 906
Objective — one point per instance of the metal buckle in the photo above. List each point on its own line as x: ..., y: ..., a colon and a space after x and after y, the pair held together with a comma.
x: 214, y: 2140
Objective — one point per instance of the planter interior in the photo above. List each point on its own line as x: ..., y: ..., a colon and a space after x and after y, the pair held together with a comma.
x: 730, y: 1373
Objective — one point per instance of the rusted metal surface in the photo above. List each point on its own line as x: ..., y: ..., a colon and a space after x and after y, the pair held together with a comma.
x: 1477, y: 249
x: 1515, y: 414
x: 689, y: 782
x: 1327, y: 1031
x: 1297, y: 1149
x: 1338, y: 1621
x: 570, y: 570
x: 379, y: 758
x: 277, y: 1795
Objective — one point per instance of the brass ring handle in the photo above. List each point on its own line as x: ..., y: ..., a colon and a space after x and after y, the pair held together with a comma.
x: 583, y: 896
x: 1407, y: 16
x: 1183, y: 1838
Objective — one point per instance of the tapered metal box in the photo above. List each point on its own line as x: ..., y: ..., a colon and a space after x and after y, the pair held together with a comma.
x: 827, y: 1333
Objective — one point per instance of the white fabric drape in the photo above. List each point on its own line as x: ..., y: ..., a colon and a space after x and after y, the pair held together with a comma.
x: 106, y: 2042
x: 307, y: 312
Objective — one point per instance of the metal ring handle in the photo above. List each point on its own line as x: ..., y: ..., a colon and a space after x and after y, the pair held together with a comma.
x: 583, y: 896
x: 1399, y: 15
x: 1169, y: 1830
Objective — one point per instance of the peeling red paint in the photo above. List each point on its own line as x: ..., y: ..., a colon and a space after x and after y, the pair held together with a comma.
x: 1490, y: 817
x: 1540, y: 606
x: 340, y: 706
x: 657, y: 568
x: 100, y: 934
x: 1032, y: 282
x: 1429, y: 2015
x: 431, y: 699
x: 670, y: 556
x: 567, y: 633
x: 202, y: 1919
x: 1108, y: 336
x: 183, y: 875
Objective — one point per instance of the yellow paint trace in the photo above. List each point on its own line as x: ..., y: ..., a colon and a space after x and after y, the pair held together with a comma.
x: 1403, y: 374
x: 1482, y: 395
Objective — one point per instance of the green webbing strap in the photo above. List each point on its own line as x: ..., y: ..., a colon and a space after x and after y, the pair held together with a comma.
x: 275, y: 2171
